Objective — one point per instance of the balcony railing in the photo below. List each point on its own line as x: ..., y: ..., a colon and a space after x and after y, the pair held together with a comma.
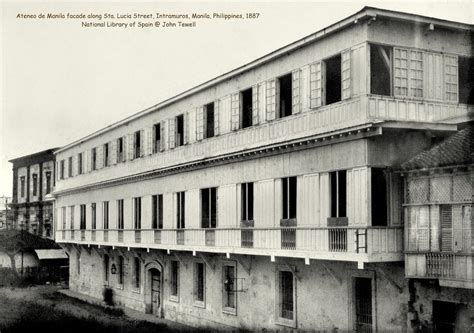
x: 297, y: 240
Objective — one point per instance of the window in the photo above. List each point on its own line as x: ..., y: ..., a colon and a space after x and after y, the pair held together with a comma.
x: 157, y: 211
x: 69, y: 167
x: 83, y: 217
x: 120, y: 154
x: 94, y: 158
x: 289, y: 198
x: 71, y: 212
x: 199, y: 283
x: 79, y: 164
x: 247, y: 107
x: 179, y: 130
x: 137, y: 272
x: 286, y: 296
x: 78, y: 263
x: 229, y: 284
x: 180, y: 216
x: 284, y: 89
x: 338, y: 189
x: 174, y: 279
x: 136, y: 144
x: 106, y: 155
x: 35, y: 184
x: 120, y: 214
x: 61, y: 169
x: 379, y: 189
x: 380, y: 70
x: 120, y: 270
x: 48, y: 182
x: 332, y: 79
x: 156, y: 138
x: 137, y: 213
x: 363, y: 304
x: 209, y: 120
x: 22, y: 186
x: 247, y: 201
x: 106, y: 269
x: 466, y: 80
x: 63, y: 217
x: 93, y: 215
x: 209, y: 207
x: 105, y: 214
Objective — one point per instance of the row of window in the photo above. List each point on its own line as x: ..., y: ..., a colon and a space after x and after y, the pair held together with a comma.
x: 35, y: 182
x: 394, y: 71
x: 209, y: 204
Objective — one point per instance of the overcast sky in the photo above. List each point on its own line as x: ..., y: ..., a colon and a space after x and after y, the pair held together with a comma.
x: 61, y: 82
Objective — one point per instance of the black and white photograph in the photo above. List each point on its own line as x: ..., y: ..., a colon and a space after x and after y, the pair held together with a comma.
x: 231, y: 166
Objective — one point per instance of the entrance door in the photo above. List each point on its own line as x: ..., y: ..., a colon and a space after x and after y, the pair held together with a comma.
x: 156, y: 292
x: 363, y: 304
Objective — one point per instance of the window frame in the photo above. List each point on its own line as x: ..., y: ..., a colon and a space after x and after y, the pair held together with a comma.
x: 245, y: 202
x: 279, y: 114
x: 137, y: 275
x: 156, y: 143
x: 105, y: 215
x: 83, y: 217
x: 157, y: 211
x: 207, y: 129
x: 93, y: 216
x: 106, y: 155
x: 120, y: 150
x: 338, y: 196
x: 94, y: 158
x: 106, y: 269
x: 48, y: 182
x: 226, y: 309
x: 174, y: 297
x: 210, y: 223
x: 69, y: 167
x: 180, y: 210
x: 22, y: 186
x: 120, y: 214
x: 137, y: 149
x: 242, y: 94
x: 137, y: 213
x: 290, y: 204
x: 279, y: 320
x: 198, y: 302
x: 80, y: 162
x: 35, y: 184
x: 120, y: 275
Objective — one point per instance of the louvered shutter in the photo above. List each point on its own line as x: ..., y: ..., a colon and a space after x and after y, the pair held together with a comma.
x: 162, y: 135
x: 113, y: 152
x: 304, y: 91
x: 99, y: 157
x: 451, y: 78
x: 296, y: 105
x: 74, y: 165
x: 149, y: 140
x: 446, y: 217
x: 216, y: 117
x: 143, y: 141
x: 185, y: 127
x: 416, y: 74
x: 200, y: 123
x: 235, y: 112
x: 271, y: 99
x: 255, y: 104
x: 130, y: 143
x: 315, y: 85
x: 346, y: 74
x: 400, y: 74
x: 89, y: 160
x: 171, y: 133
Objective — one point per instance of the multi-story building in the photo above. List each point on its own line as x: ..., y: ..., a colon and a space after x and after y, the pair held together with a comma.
x: 439, y: 238
x: 6, y: 219
x: 33, y: 179
x: 268, y: 196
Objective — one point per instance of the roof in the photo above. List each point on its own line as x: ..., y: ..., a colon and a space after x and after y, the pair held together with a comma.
x: 23, y: 240
x: 51, y: 254
x: 456, y: 150
x: 366, y: 12
x: 49, y: 151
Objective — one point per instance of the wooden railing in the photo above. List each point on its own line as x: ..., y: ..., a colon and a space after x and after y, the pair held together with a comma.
x: 379, y: 240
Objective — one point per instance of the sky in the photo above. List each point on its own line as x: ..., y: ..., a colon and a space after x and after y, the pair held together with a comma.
x: 61, y: 81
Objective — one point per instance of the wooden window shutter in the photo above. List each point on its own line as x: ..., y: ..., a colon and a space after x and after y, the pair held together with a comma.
x: 130, y: 143
x: 346, y: 74
x: 400, y: 75
x: 200, y: 123
x: 304, y: 91
x: 113, y: 152
x: 89, y: 160
x: 235, y: 112
x: 315, y: 85
x: 255, y: 104
x: 446, y: 217
x: 149, y: 140
x: 216, y: 118
x: 271, y: 99
x: 162, y: 135
x: 451, y: 78
x: 99, y: 162
x: 142, y: 143
x: 185, y: 127
x: 416, y: 74
x: 296, y: 94
x: 171, y: 133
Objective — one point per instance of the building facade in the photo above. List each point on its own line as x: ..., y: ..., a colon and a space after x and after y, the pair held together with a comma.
x: 33, y: 180
x: 268, y: 197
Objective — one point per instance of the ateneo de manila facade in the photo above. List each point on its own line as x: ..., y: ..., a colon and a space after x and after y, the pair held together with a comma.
x: 274, y: 196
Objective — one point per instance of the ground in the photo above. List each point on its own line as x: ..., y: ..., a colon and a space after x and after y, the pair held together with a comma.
x: 45, y: 308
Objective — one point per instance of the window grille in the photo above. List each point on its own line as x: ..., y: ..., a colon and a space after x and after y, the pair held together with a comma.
x: 417, y: 190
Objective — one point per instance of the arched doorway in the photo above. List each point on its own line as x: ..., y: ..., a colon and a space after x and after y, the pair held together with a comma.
x: 154, y: 289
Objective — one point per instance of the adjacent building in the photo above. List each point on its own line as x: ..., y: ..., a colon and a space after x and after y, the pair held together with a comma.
x: 33, y: 180
x: 271, y: 196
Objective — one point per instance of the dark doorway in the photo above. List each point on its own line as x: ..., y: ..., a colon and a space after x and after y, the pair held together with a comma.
x: 333, y: 79
x: 363, y: 304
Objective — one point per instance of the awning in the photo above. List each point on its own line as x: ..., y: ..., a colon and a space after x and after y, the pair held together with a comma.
x: 51, y: 254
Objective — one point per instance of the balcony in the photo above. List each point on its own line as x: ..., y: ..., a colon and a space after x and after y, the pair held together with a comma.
x: 450, y: 269
x: 351, y: 113
x: 372, y: 244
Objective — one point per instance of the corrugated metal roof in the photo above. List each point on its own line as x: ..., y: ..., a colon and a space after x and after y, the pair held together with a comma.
x: 455, y: 150
x: 51, y: 254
